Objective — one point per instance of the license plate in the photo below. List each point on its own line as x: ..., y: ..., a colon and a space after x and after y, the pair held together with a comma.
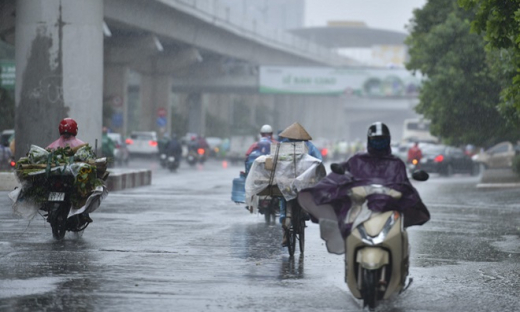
x: 56, y: 196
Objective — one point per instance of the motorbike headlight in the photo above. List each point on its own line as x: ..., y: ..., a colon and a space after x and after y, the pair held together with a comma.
x: 163, y: 156
x: 375, y: 240
x: 171, y: 158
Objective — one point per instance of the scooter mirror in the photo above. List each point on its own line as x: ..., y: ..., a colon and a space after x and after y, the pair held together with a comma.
x: 420, y: 175
x: 337, y: 168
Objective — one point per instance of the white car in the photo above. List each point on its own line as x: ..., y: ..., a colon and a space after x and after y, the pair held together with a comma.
x: 143, y: 143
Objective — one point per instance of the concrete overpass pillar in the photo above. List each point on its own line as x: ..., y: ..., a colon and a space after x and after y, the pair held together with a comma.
x: 59, y: 69
x: 116, y: 94
x: 197, y: 104
x: 156, y: 102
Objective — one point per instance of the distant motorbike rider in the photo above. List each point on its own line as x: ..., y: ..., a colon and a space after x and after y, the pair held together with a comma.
x: 68, y: 129
x: 173, y: 148
x: 295, y: 133
x: 266, y: 135
x: 196, y: 142
x: 262, y: 147
x: 163, y: 143
x: 414, y: 153
x: 108, y: 146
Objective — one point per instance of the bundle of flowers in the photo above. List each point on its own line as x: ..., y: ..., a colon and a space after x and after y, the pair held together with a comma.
x: 77, y: 166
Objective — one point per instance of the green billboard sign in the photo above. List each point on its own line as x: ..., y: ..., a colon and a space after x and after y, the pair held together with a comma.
x: 7, y: 74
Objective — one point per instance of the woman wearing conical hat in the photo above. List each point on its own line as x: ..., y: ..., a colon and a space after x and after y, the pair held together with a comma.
x: 294, y: 133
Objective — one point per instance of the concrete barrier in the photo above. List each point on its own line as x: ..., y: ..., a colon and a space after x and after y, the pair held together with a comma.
x: 8, y: 181
x: 117, y: 180
x: 129, y: 179
x: 499, y: 178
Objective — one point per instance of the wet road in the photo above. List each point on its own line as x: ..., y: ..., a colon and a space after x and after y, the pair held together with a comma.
x: 182, y: 245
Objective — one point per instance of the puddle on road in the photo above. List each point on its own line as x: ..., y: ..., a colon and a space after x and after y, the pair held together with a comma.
x: 33, y: 286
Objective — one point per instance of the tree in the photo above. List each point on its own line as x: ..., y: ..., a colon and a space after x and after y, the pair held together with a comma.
x: 499, y: 21
x: 460, y: 92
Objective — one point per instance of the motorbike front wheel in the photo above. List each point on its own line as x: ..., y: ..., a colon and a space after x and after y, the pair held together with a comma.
x: 301, y: 235
x: 369, y: 288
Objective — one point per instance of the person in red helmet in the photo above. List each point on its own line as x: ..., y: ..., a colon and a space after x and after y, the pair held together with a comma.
x: 68, y: 130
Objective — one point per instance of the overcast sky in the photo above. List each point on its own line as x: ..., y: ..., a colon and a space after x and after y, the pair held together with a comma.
x: 383, y: 14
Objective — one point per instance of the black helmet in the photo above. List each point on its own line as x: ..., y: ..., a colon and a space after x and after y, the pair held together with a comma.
x: 378, y: 137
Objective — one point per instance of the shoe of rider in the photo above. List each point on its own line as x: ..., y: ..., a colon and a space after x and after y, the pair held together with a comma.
x: 284, y: 240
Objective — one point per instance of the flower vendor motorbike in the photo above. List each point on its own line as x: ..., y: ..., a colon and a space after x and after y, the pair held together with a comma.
x: 377, y: 252
x: 66, y: 184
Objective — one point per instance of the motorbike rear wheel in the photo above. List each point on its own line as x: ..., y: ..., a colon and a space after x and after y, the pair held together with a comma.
x: 291, y: 240
x: 58, y: 220
x: 267, y: 216
x: 369, y: 288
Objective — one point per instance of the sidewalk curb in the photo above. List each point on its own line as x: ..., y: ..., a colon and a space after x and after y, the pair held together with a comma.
x: 498, y: 185
x: 115, y: 182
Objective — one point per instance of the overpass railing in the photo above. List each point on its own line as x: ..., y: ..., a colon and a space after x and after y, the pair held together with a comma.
x: 215, y: 12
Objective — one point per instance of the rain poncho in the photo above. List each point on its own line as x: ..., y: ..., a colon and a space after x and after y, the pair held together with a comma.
x: 330, y: 197
x: 292, y: 170
x: 64, y: 142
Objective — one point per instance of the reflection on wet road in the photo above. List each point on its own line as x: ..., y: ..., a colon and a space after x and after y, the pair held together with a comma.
x: 182, y: 245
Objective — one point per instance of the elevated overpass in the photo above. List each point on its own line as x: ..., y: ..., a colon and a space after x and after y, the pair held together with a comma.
x: 72, y: 56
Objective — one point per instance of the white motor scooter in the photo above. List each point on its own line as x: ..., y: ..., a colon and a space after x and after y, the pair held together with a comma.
x: 377, y: 249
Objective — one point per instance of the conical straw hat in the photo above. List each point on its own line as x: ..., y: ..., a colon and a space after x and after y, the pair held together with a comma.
x: 295, y: 132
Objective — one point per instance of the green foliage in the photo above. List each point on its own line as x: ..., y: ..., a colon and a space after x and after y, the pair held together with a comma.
x: 499, y: 22
x: 461, y: 91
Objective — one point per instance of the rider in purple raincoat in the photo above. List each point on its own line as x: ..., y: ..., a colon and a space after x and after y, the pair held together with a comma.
x: 377, y: 166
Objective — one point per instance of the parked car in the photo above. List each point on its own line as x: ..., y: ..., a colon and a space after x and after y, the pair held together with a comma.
x: 121, y: 152
x: 446, y: 160
x: 6, y: 137
x: 142, y: 143
x: 498, y: 156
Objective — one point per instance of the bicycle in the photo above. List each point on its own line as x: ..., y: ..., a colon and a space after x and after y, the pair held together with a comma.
x: 296, y: 230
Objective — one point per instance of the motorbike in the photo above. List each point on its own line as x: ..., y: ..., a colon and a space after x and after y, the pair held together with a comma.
x: 163, y: 160
x: 270, y: 207
x: 377, y: 252
x: 58, y: 208
x: 172, y: 163
x: 196, y: 156
x: 413, y: 165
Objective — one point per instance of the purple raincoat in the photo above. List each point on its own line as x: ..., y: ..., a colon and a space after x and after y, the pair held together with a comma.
x: 366, y: 169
